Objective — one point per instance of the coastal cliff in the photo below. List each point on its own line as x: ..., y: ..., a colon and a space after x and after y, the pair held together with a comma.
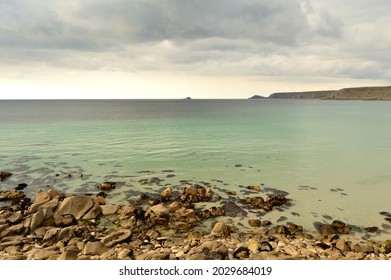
x: 358, y: 93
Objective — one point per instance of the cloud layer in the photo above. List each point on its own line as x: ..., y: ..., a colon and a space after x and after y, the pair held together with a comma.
x: 250, y: 38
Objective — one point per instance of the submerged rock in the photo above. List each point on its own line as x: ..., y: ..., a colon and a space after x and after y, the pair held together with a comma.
x: 11, y: 195
x: 106, y: 186
x: 21, y: 186
x: 4, y: 175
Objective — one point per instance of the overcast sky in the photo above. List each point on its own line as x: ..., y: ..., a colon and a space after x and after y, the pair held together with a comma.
x: 179, y: 48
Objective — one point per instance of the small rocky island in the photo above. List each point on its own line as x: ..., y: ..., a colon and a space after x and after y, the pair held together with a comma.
x: 358, y: 93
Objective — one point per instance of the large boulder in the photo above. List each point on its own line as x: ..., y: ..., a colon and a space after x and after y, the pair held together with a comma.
x: 81, y: 207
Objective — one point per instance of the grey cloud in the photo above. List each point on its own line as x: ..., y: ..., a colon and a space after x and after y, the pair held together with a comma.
x: 209, y: 37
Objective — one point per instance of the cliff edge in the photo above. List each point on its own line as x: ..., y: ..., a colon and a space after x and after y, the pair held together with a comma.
x: 358, y: 93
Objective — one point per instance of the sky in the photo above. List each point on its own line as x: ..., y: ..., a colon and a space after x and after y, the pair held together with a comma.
x: 199, y: 48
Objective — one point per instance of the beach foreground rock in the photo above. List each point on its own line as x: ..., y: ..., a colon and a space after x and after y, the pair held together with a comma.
x: 54, y: 227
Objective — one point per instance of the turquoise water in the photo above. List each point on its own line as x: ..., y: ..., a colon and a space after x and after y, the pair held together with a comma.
x: 333, y: 158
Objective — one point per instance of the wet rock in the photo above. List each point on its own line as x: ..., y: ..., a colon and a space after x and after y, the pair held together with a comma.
x: 326, y: 230
x: 241, y: 253
x: 81, y: 207
x: 106, y: 186
x: 216, y: 211
x: 254, y: 222
x: 204, y: 214
x: 220, y: 230
x: 181, y: 226
x: 233, y: 210
x: 13, y: 195
x: 282, y: 230
x: 158, y: 214
x: 4, y: 175
x: 166, y: 194
x: 254, y: 188
x: 174, y: 206
x: 294, y: 229
x: 196, y: 194
x: 340, y: 227
x: 387, y: 248
x: 371, y: 229
x: 209, y: 250
x: 21, y: 186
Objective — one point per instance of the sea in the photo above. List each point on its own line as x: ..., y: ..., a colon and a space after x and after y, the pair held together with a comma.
x: 332, y: 159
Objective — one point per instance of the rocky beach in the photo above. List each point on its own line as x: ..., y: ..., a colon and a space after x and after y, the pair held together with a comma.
x: 189, y: 225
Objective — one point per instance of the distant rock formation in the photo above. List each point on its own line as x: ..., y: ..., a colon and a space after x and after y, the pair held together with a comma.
x: 358, y: 93
x: 257, y: 97
x: 188, y: 98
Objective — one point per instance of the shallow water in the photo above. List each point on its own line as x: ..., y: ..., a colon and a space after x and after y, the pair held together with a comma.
x: 332, y: 158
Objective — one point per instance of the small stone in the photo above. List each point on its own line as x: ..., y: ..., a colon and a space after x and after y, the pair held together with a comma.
x: 372, y: 229
x: 290, y: 251
x: 106, y: 186
x: 266, y: 247
x: 254, y: 188
x: 254, y: 222
x: 166, y: 194
x: 65, y: 220
x: 220, y: 230
x: 21, y: 186
x: 241, y: 253
x: 342, y: 245
x: 363, y: 248
x: 109, y: 209
x: 326, y: 230
x: 254, y: 247
x: 13, y: 250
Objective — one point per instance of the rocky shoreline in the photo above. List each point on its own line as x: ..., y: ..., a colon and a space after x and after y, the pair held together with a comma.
x: 52, y: 226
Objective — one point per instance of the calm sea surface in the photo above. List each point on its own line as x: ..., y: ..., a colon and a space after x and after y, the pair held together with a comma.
x: 332, y: 158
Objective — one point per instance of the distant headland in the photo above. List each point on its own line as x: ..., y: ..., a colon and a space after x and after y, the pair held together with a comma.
x: 357, y: 93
